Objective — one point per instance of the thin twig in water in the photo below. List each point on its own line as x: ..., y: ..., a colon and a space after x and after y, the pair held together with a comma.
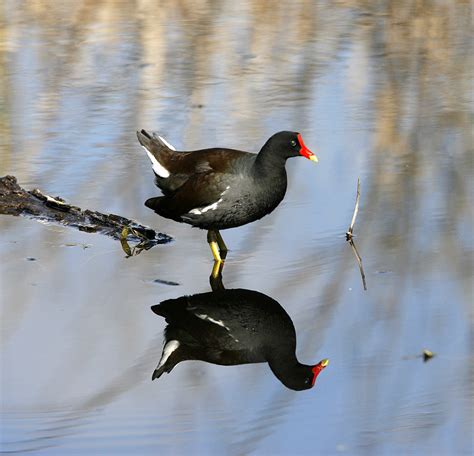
x: 354, y: 216
x: 359, y: 261
x: 350, y: 237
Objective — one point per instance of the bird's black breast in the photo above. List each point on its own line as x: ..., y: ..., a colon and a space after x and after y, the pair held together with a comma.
x: 243, y: 200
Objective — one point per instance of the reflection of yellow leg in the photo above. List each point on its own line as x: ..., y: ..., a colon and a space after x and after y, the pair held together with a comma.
x: 217, y: 269
x: 221, y: 244
x: 216, y: 276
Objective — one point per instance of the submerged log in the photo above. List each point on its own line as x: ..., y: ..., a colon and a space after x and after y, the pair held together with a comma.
x: 14, y: 200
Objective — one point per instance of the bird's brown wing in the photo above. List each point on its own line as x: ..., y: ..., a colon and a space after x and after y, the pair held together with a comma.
x: 198, y: 191
x: 196, y: 169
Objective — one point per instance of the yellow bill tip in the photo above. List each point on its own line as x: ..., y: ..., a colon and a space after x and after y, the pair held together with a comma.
x: 313, y: 158
x: 324, y: 362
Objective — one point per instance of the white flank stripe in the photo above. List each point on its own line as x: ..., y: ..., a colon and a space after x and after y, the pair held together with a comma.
x: 158, y: 168
x: 212, y: 320
x: 166, y: 142
x: 211, y: 207
x: 169, y: 348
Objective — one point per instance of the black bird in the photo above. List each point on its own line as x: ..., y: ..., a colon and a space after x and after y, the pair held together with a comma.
x: 230, y: 327
x: 215, y: 189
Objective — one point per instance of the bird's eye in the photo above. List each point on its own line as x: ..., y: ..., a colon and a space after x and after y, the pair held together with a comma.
x: 293, y: 143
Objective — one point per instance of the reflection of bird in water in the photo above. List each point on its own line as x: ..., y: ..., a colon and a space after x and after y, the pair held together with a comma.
x: 230, y: 327
x: 217, y: 188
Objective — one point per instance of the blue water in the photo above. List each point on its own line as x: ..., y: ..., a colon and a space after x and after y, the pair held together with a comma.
x: 378, y: 92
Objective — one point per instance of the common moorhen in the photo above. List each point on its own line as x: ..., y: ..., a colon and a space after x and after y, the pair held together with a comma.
x: 230, y: 327
x: 217, y: 188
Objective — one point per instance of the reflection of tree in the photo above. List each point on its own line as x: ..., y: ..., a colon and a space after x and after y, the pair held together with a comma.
x: 103, y: 68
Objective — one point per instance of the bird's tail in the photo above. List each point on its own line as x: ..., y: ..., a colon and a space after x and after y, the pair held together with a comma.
x: 153, y: 141
x: 157, y: 373
x: 169, y: 357
x: 158, y: 151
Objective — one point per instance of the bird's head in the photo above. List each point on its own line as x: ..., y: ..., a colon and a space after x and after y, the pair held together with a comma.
x: 301, y: 377
x: 290, y: 144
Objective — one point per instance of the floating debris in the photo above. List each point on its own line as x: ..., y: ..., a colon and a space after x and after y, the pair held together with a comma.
x: 34, y: 204
x: 77, y: 244
x: 427, y: 355
x: 166, y: 282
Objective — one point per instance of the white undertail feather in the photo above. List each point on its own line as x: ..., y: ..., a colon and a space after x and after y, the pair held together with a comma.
x: 158, y: 168
x: 166, y: 142
x: 169, y: 348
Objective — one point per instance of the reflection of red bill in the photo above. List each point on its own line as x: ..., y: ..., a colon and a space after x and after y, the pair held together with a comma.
x: 321, y: 365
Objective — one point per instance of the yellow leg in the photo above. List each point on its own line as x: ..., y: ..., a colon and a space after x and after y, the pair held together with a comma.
x: 212, y: 240
x: 221, y: 244
x: 215, y: 244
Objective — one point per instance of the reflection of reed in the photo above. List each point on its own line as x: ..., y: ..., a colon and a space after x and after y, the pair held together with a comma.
x: 208, y: 72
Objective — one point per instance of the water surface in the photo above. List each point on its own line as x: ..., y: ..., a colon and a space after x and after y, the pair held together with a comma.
x: 379, y: 91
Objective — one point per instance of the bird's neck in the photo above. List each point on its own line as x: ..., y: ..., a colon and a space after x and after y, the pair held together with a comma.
x: 285, y: 367
x: 269, y: 161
